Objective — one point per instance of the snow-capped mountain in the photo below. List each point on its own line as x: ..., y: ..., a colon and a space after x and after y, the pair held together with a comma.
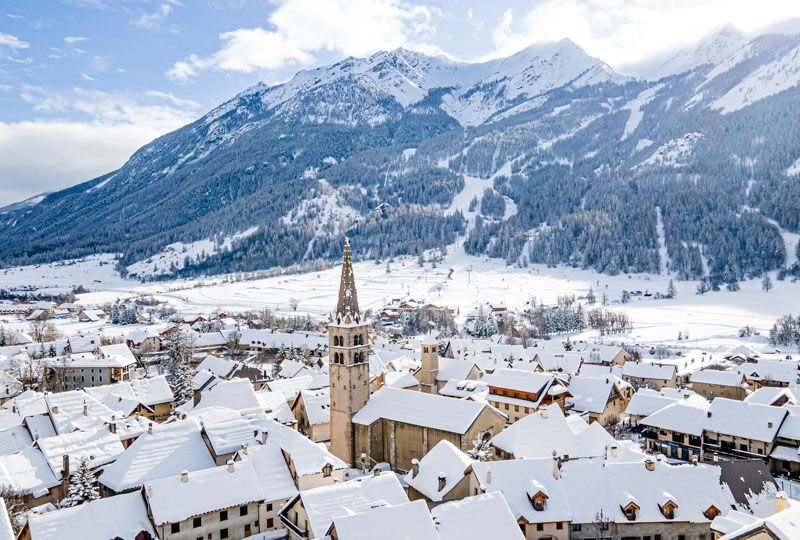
x: 544, y: 156
x: 710, y: 51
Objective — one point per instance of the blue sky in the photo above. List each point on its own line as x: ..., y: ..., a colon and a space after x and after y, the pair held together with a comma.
x: 83, y: 83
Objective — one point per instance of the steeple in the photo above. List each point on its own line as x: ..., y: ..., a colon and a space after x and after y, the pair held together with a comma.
x: 348, y: 299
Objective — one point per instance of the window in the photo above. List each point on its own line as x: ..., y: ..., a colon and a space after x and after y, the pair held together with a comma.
x: 559, y: 525
x: 540, y: 526
x: 197, y: 522
x: 269, y: 507
x: 576, y: 527
x: 175, y: 528
x: 681, y: 537
x: 223, y: 533
x: 243, y: 510
x: 269, y: 523
x: 247, y: 529
x: 223, y: 516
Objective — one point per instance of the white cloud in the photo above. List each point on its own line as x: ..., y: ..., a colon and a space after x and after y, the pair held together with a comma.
x: 301, y: 28
x: 52, y: 152
x: 625, y: 32
x: 154, y: 20
x: 72, y: 40
x: 12, y: 42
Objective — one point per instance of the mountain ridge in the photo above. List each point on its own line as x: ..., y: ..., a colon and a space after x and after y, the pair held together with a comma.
x: 379, y: 147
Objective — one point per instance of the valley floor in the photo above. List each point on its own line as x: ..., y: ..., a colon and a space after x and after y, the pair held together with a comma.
x: 461, y: 282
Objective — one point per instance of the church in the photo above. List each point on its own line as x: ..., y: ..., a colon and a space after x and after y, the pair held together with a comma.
x: 393, y: 426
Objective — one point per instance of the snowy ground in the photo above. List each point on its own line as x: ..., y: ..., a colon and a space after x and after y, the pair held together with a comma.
x: 712, y: 320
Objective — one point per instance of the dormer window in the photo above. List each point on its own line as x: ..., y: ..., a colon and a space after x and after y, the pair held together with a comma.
x: 327, y: 469
x: 538, y: 500
x: 711, y: 512
x: 630, y: 510
x: 668, y: 509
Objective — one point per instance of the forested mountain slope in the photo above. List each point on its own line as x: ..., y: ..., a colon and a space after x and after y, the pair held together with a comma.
x: 697, y: 173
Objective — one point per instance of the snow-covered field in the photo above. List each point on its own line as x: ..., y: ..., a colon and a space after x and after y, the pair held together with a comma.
x: 711, y: 321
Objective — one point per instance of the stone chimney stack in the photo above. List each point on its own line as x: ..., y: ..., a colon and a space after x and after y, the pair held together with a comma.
x: 442, y: 480
x: 184, y: 476
x: 488, y: 475
x: 649, y: 464
x: 231, y: 466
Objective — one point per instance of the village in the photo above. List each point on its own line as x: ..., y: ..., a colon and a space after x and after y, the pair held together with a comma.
x: 134, y: 420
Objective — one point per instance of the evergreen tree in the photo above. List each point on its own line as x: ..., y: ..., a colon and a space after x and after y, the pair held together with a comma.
x: 766, y: 283
x: 184, y: 387
x: 480, y: 449
x: 672, y: 292
x: 82, y: 487
x: 702, y: 286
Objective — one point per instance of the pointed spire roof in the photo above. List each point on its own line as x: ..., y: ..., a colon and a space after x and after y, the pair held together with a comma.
x: 348, y: 299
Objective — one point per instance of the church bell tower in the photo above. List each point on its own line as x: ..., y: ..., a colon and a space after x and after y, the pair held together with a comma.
x: 348, y: 349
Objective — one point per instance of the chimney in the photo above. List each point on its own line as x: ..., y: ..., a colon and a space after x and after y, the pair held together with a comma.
x: 442, y: 480
x: 556, y: 466
x: 184, y: 476
x: 614, y: 451
x: 148, y: 490
x: 708, y: 414
x: 769, y: 425
x: 544, y: 412
x: 715, y: 457
x: 230, y: 465
x: 376, y: 471
x: 244, y: 449
x: 488, y: 475
x: 85, y: 409
x: 150, y: 428
x: 414, y: 467
x: 781, y: 501
x: 65, y: 465
x: 54, y: 410
x: 264, y: 437
x: 112, y: 427
x: 649, y: 464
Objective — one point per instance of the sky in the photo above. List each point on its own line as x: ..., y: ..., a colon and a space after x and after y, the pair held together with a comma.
x: 84, y: 83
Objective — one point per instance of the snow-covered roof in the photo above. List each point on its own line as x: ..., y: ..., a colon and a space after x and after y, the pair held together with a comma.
x: 97, y: 447
x: 678, y: 416
x: 644, y: 370
x: 40, y: 426
x: 464, y: 388
x: 323, y: 504
x: 267, y: 339
x: 122, y: 516
x: 227, y: 432
x: 693, y: 488
x: 748, y: 420
x: 275, y: 406
x: 237, y: 394
x: 28, y: 472
x: 539, y: 436
x: 272, y: 471
x: 168, y: 450
x: 480, y: 516
x: 717, y: 377
x: 590, y: 394
x: 444, y: 458
x: 291, y: 387
x: 318, y: 405
x: 171, y: 500
x: 401, y: 379
x: 785, y: 371
x: 307, y: 456
x: 770, y: 395
x: 14, y: 439
x: 450, y: 368
x: 6, y: 531
x: 784, y: 525
x: 420, y: 409
x: 118, y: 354
x: 520, y: 380
x: 220, y: 367
x: 387, y: 522
x: 76, y: 409
x: 519, y: 480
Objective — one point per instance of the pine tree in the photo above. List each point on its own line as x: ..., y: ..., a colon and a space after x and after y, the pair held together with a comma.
x: 672, y: 292
x: 480, y: 449
x: 82, y: 487
x: 184, y: 383
x: 766, y: 283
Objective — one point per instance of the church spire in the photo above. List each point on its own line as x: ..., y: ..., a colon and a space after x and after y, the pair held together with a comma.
x: 348, y: 299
